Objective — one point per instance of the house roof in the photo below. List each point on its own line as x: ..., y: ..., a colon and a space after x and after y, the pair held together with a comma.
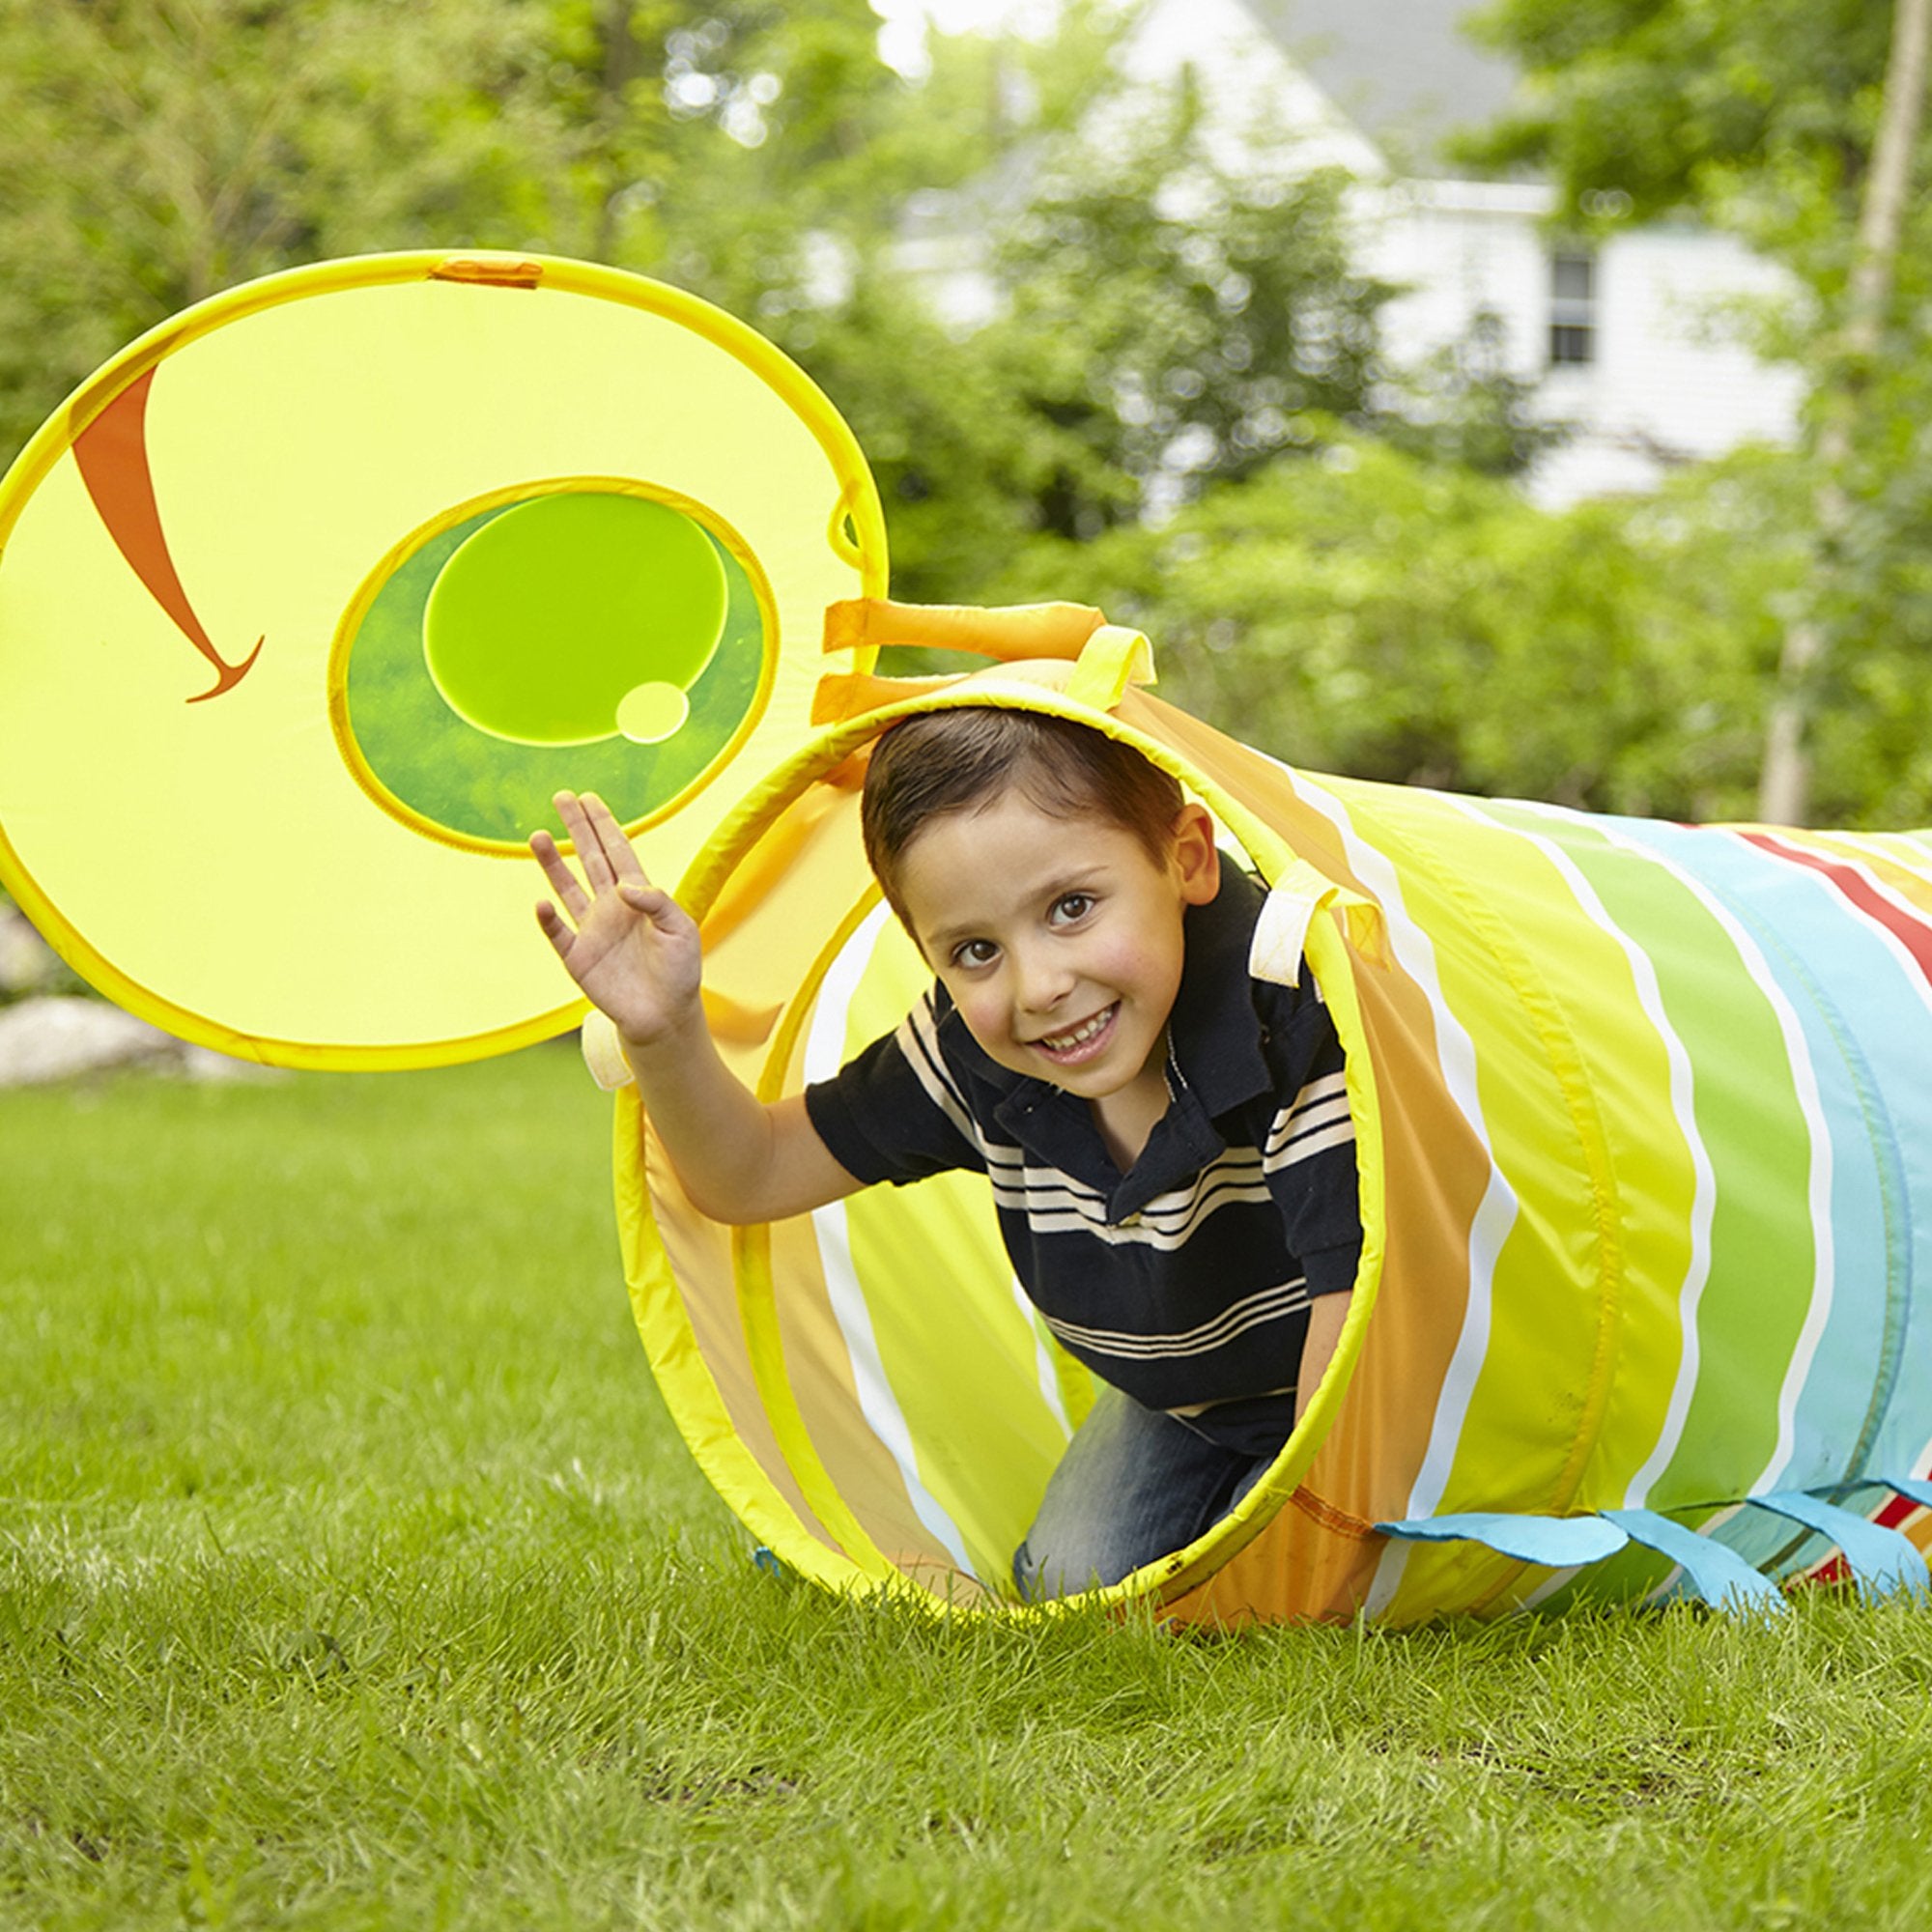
x: 1401, y: 69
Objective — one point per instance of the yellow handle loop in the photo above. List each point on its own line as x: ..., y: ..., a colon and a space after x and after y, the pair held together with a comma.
x: 1105, y: 658
x: 1008, y: 631
x: 1112, y: 659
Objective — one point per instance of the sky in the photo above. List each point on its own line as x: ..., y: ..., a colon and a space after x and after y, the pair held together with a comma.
x: 902, y: 36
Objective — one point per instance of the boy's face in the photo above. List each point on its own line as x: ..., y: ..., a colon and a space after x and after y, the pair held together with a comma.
x: 1058, y: 939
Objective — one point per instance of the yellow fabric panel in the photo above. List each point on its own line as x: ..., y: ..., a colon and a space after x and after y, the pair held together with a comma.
x: 753, y: 1257
x: 679, y: 1269
x: 1483, y: 974
x: 816, y: 880
x: 819, y: 1373
x: 985, y: 1437
x: 297, y: 433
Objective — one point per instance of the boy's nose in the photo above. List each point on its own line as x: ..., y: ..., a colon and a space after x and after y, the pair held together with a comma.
x: 1042, y: 981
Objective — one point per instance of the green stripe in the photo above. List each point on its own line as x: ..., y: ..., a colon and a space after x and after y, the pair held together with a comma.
x: 1747, y: 1112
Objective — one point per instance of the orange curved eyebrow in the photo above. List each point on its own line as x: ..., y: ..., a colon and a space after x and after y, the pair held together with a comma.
x: 111, y: 454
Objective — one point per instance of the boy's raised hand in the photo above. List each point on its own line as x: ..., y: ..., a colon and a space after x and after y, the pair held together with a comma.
x: 631, y: 947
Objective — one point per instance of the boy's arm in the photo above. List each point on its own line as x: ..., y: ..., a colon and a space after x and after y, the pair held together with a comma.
x: 1325, y: 1315
x: 634, y: 951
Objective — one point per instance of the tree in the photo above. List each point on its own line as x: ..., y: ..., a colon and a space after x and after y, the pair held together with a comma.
x: 1845, y: 393
x: 154, y: 151
x: 1766, y: 118
x: 1158, y: 324
x: 1393, y: 617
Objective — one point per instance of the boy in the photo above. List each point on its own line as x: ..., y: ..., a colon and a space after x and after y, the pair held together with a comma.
x: 1168, y: 1139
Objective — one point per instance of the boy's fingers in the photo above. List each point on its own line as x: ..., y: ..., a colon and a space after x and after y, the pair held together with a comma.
x: 618, y: 852
x: 554, y: 929
x: 607, y: 858
x: 556, y: 870
x: 583, y: 833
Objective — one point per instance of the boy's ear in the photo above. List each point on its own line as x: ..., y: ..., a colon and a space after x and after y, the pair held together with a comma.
x: 1196, y: 858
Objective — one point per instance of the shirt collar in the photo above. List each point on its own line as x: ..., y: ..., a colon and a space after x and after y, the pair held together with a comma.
x: 1213, y: 1033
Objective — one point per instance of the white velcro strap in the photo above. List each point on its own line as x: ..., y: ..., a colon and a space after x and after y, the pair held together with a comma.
x: 1281, y: 933
x: 1281, y: 937
x: 602, y: 1054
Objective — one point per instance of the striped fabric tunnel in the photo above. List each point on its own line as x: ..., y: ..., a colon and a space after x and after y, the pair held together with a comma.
x: 1644, y: 1115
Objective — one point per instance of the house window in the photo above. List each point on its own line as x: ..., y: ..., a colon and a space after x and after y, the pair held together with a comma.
x: 1573, y: 308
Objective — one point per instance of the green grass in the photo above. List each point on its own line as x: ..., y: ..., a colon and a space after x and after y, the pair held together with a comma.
x: 352, y: 1576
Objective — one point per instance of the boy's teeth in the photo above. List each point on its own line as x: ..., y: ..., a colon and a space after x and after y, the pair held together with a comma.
x: 1059, y: 1043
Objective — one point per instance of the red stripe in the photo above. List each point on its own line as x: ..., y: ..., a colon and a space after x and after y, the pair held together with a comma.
x: 1910, y: 932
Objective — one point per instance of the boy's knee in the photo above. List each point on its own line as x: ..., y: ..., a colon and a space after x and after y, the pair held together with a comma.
x: 1063, y: 1568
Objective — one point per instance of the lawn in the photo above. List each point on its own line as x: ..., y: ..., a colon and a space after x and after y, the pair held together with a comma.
x: 352, y: 1576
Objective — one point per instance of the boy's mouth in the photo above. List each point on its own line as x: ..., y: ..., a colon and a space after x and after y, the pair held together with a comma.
x: 1078, y: 1042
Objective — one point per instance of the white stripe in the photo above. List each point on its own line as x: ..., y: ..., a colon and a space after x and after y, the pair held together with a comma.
x: 919, y: 1042
x: 1015, y: 1171
x: 1306, y: 1148
x: 1415, y: 953
x: 824, y: 1053
x: 1018, y: 1182
x: 1916, y: 859
x: 1053, y: 1211
x: 1289, y: 1123
x: 1285, y: 1129
x: 1683, y: 1105
x: 1269, y: 1304
x: 1818, y: 1199
x: 877, y: 1402
x: 1324, y: 1086
x: 1045, y: 1367
x: 1139, y: 1236
x: 1044, y: 1189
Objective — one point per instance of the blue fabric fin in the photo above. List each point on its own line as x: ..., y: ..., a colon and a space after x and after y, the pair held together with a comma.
x: 1556, y: 1542
x: 1718, y: 1575
x: 1881, y: 1560
x: 1914, y: 1488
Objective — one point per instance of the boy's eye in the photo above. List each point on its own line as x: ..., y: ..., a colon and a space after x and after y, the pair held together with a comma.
x: 1072, y: 906
x: 974, y: 952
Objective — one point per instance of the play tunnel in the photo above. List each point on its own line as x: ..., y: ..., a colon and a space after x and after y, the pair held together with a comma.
x: 328, y: 582
x: 1645, y: 1121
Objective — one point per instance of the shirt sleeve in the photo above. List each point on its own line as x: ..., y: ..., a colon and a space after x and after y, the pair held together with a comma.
x: 896, y: 1111
x: 1310, y: 1152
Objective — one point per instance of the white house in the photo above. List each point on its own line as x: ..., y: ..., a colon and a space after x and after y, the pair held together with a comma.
x: 1630, y: 341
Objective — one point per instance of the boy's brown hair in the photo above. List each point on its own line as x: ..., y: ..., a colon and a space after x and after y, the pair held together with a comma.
x: 959, y: 760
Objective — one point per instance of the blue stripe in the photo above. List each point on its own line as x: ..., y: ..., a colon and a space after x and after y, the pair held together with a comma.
x: 1869, y: 1036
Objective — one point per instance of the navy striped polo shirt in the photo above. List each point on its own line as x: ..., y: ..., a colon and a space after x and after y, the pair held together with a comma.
x: 1185, y: 1281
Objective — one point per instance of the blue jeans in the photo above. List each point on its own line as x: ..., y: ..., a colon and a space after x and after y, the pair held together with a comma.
x: 1134, y: 1485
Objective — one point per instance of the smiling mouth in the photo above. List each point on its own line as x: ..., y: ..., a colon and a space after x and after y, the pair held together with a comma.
x: 1077, y: 1041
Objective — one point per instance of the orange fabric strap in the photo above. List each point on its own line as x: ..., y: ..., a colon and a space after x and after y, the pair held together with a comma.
x: 1008, y: 633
